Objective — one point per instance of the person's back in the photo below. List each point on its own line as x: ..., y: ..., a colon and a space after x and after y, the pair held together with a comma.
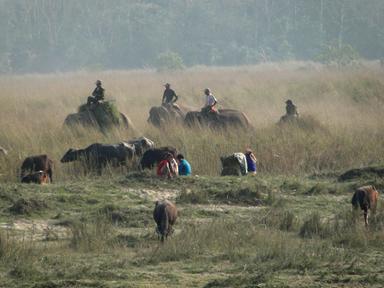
x: 98, y: 93
x: 184, y: 167
x: 291, y: 109
x: 251, y: 162
x: 163, y: 169
x: 166, y: 167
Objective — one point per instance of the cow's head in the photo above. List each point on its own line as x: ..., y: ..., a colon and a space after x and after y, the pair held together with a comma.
x: 69, y: 156
x: 42, y: 177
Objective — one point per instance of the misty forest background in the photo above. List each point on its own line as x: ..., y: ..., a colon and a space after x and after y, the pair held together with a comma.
x: 63, y: 35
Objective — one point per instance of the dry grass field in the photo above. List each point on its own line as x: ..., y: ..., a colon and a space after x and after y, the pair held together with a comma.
x: 343, y: 108
x: 290, y: 226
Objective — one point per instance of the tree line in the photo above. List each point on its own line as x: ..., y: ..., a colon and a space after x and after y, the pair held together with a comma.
x: 62, y: 35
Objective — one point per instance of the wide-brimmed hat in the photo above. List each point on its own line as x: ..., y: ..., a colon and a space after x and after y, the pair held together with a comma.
x: 98, y: 82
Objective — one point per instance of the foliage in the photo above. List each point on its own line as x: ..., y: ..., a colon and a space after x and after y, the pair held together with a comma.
x: 41, y: 36
x: 169, y: 61
x: 105, y: 113
x: 340, y: 55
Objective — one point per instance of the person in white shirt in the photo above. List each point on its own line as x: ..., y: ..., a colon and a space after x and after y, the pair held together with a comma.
x: 210, y: 102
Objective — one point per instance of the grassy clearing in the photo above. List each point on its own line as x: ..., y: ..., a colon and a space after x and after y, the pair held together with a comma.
x: 99, y: 232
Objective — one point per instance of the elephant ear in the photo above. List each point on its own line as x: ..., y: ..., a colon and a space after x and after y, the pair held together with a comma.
x: 222, y: 159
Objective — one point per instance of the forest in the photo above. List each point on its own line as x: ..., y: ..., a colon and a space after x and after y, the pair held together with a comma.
x: 65, y: 35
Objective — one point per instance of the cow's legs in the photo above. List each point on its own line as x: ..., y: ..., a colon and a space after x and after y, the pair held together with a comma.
x: 366, y: 217
x: 49, y: 172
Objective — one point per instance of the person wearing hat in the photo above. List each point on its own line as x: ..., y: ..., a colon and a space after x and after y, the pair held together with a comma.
x: 169, y: 96
x: 291, y: 109
x: 97, y: 94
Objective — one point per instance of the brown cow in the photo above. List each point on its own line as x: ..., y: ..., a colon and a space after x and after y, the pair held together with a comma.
x: 366, y: 197
x: 165, y: 215
x: 39, y: 177
x: 37, y: 163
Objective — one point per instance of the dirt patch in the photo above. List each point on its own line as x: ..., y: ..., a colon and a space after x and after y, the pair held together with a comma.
x: 154, y: 195
x: 37, y: 229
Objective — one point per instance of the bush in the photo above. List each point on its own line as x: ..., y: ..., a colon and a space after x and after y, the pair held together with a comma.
x: 169, y: 61
x: 105, y: 113
x: 96, y: 235
x: 27, y: 206
x: 312, y: 226
x: 340, y: 55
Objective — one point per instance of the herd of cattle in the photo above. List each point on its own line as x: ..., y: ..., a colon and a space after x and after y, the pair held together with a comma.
x: 39, y: 169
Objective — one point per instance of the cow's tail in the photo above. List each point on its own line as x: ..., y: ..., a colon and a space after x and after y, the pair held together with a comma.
x: 23, y: 169
x: 164, y: 224
x: 355, y: 200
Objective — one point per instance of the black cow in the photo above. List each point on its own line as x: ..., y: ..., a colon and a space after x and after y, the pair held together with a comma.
x: 99, y: 155
x: 37, y: 163
x: 154, y: 156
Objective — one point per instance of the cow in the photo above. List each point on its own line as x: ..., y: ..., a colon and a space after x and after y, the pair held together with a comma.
x: 141, y: 144
x: 39, y: 177
x: 154, y: 156
x: 99, y: 155
x: 235, y: 164
x: 165, y: 215
x: 366, y: 197
x: 37, y: 163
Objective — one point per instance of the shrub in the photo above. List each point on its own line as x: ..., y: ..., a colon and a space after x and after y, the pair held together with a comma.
x: 24, y: 206
x: 169, y: 61
x: 105, y: 113
x: 98, y: 234
x: 340, y: 55
x: 312, y: 226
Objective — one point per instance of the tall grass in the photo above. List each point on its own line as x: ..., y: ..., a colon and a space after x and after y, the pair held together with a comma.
x: 345, y: 106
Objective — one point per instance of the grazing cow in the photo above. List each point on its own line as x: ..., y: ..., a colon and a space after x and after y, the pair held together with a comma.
x: 99, y: 155
x: 39, y: 177
x: 165, y: 215
x: 235, y: 164
x: 141, y: 144
x: 154, y: 156
x: 37, y: 163
x: 366, y: 197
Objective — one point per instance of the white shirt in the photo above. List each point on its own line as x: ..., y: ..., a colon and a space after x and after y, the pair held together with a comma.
x: 210, y: 100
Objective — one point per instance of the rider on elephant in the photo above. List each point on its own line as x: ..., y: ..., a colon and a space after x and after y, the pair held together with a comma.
x: 169, y: 98
x: 210, y: 104
x: 97, y: 94
x: 291, y: 109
